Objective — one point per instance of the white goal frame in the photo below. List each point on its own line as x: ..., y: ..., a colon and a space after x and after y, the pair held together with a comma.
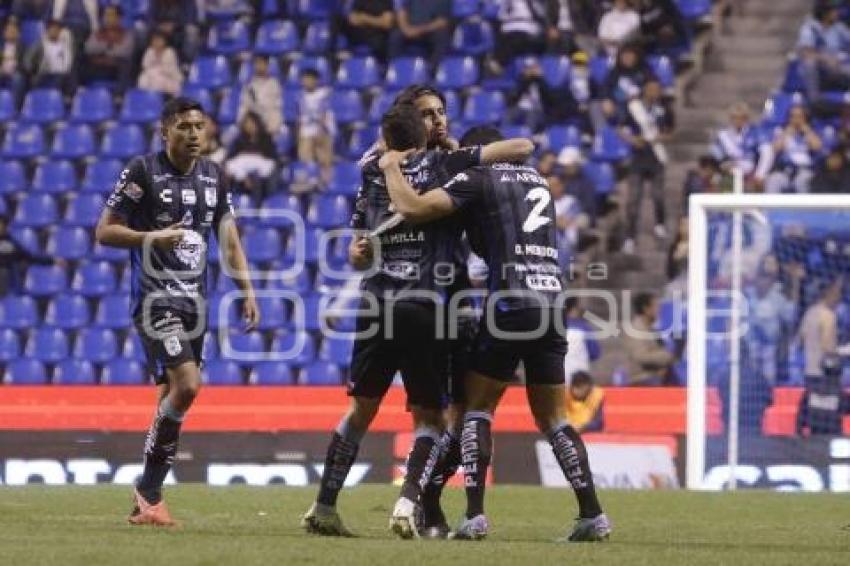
x: 699, y: 207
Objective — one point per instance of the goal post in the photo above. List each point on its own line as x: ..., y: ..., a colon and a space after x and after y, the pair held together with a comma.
x: 742, y: 222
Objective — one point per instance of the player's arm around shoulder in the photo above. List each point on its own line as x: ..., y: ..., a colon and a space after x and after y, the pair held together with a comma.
x: 413, y: 206
x: 514, y: 149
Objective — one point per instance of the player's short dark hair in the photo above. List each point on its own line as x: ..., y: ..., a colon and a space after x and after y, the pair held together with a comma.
x: 641, y: 301
x: 403, y: 129
x: 480, y: 135
x: 414, y: 92
x: 580, y: 378
x: 177, y: 106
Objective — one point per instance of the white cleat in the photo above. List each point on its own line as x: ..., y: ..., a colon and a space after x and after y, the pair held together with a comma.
x: 403, y: 520
x: 472, y: 529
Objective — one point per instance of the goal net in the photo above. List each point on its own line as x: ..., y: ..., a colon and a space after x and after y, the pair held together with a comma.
x: 767, y: 329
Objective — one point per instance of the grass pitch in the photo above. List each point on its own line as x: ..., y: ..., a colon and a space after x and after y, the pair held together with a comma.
x: 246, y: 526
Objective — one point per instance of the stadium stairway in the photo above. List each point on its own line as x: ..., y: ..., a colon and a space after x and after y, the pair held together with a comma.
x: 741, y: 58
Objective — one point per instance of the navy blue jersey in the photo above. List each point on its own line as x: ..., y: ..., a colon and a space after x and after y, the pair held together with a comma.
x: 151, y: 195
x: 512, y: 227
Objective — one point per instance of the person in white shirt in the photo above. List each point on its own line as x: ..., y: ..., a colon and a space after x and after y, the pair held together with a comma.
x: 160, y: 67
x: 796, y: 148
x: 263, y: 95
x: 618, y: 26
x: 316, y: 123
x: 50, y: 61
x: 521, y: 27
x: 740, y: 146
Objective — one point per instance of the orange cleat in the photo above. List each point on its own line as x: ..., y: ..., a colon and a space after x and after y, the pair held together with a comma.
x: 144, y: 513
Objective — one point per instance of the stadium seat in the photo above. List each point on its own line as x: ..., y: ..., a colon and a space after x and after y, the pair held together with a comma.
x: 228, y: 108
x: 664, y: 70
x: 694, y: 9
x: 456, y: 72
x: 602, y: 176
x: 10, y: 345
x: 227, y: 11
x: 101, y: 176
x: 217, y: 316
x: 201, y: 94
x: 283, y: 141
x: 132, y: 348
x: 36, y: 211
x: 229, y: 38
x: 123, y: 141
x: 98, y: 345
x: 26, y: 372
x: 109, y: 253
x: 311, y: 309
x: 221, y: 372
x: 73, y: 141
x: 48, y: 345
x: 276, y: 37
x: 358, y: 72
x: 74, y: 372
x: 777, y: 108
x: 298, y: 345
x: 7, y: 106
x: 405, y: 71
x: 94, y: 279
x: 321, y: 373
x: 347, y: 106
x: 793, y: 81
x: 599, y: 68
x: 113, y: 312
x: 18, y: 313
x: 56, y: 177
x: 346, y: 178
x: 83, y: 210
x: 317, y: 38
x: 69, y: 243
x: 43, y: 106
x: 336, y: 350
x: 92, y: 105
x: 462, y: 9
x: 67, y: 311
x: 380, y: 104
x: 246, y: 70
x: 242, y: 345
x: 319, y: 64
x: 329, y: 211
x: 556, y: 70
x: 274, y: 311
x: 453, y: 105
x: 473, y: 37
x: 123, y: 372
x: 211, y: 72
x: 262, y: 244
x: 301, y: 283
x: 314, y: 9
x: 271, y: 373
x: 12, y: 177
x: 608, y: 145
x: 361, y: 140
x: 484, y: 107
x: 141, y: 106
x: 23, y: 141
x: 559, y: 137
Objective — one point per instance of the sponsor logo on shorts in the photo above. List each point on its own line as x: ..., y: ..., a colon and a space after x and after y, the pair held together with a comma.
x: 172, y: 346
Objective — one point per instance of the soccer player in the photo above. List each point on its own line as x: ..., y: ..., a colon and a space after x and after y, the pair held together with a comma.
x: 402, y: 322
x: 511, y: 204
x: 164, y: 207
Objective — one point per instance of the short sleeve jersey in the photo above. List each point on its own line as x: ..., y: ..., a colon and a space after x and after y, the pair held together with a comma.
x: 151, y: 194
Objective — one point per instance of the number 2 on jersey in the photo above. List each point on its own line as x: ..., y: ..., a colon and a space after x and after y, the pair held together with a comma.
x: 535, y: 218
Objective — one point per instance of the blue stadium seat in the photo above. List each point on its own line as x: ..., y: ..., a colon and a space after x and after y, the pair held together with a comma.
x: 43, y: 106
x: 276, y: 37
x: 329, y: 211
x: 664, y: 70
x: 298, y: 344
x: 484, y: 107
x: 69, y: 243
x: 83, y: 210
x: 19, y: 313
x: 113, y: 311
x: 55, y: 177
x: 48, y: 345
x: 361, y: 140
x: 317, y: 38
x: 405, y: 71
x: 109, y: 253
x: 453, y: 105
x: 12, y: 177
x: 347, y: 106
x: 602, y: 176
x: 123, y: 372
x: 101, y: 176
x: 246, y: 70
x: 599, y: 68
x: 608, y: 145
x: 283, y: 141
x: 777, y: 108
x: 358, y: 72
x: 280, y: 202
x: 694, y: 9
x: 94, y: 279
x: 28, y: 238
x: 559, y: 137
x: 556, y: 69
x: 229, y: 38
x: 242, y: 345
x: 132, y: 348
x: 23, y: 141
x: 74, y: 372
x: 303, y: 174
x: 336, y: 350
x: 10, y: 345
x: 311, y: 305
x: 320, y: 64
x: 314, y: 9
x: 210, y: 347
x: 271, y: 373
x: 123, y: 141
x: 36, y: 211
x: 274, y: 313
x: 221, y: 372
x: 98, y: 345
x: 793, y: 81
x: 73, y: 141
x: 217, y: 316
x: 228, y: 108
x: 92, y: 105
x: 271, y: 8
x: 26, y: 372
x: 67, y: 311
x: 31, y: 31
x: 465, y: 8
x: 456, y: 72
x: 380, y: 104
x: 321, y: 373
x: 474, y: 37
x: 209, y: 72
x: 141, y: 106
x: 227, y: 11
x: 301, y: 283
x: 8, y: 109
x: 201, y: 94
x: 262, y: 244
x: 346, y: 178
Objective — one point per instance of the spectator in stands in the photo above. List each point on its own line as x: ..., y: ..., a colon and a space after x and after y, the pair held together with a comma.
x: 108, y: 52
x: 252, y: 159
x: 583, y: 348
x: 12, y: 59
x: 649, y: 159
x: 214, y: 150
x: 705, y: 178
x: 576, y: 182
x: 14, y: 259
x: 824, y: 402
x: 540, y: 104
x: 755, y: 395
x: 649, y: 362
x: 31, y: 9
x: 833, y: 175
x: 819, y: 329
x: 369, y: 24
x: 677, y: 263
x: 662, y: 26
x: 81, y: 17
x: 422, y: 25
x: 625, y: 81
x: 585, y: 403
x: 796, y: 148
x: 160, y: 67
x: 618, y: 26
x: 263, y: 95
x: 521, y: 30
x: 560, y: 35
x: 740, y: 145
x: 178, y: 20
x: 570, y: 219
x: 50, y: 61
x: 547, y: 162
x: 316, y: 123
x: 823, y: 45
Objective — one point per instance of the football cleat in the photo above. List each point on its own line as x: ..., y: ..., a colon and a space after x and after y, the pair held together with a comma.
x: 144, y: 513
x: 403, y: 519
x: 597, y: 529
x: 435, y: 527
x: 325, y: 521
x: 472, y: 529
x: 436, y: 532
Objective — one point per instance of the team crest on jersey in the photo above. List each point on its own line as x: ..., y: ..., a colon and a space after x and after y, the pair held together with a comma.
x: 189, y: 197
x: 190, y: 249
x: 172, y: 346
x: 211, y: 196
x: 133, y: 191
